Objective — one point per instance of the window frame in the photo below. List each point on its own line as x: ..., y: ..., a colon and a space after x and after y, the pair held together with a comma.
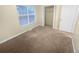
x: 27, y: 16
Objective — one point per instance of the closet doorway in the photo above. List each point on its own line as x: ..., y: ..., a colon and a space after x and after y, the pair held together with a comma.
x: 49, y: 10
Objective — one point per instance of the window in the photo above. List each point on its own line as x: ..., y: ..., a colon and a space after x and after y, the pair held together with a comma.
x: 26, y: 14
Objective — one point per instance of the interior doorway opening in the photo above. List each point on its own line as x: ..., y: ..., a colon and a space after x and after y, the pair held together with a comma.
x: 49, y: 10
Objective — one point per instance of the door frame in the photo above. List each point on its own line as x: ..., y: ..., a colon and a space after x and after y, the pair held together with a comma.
x: 43, y: 18
x: 52, y: 12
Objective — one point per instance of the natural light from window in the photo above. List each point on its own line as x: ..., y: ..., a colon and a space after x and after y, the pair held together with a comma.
x: 26, y: 14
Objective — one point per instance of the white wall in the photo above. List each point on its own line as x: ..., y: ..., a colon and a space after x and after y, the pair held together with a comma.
x: 76, y: 34
x: 39, y: 14
x: 9, y: 23
x: 67, y: 19
x: 42, y: 14
x: 56, y: 16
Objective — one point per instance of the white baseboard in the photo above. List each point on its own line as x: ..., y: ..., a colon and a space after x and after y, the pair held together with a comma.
x: 17, y: 35
x: 73, y: 45
x: 11, y: 37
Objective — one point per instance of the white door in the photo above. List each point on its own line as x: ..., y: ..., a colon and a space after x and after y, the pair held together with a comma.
x: 67, y: 19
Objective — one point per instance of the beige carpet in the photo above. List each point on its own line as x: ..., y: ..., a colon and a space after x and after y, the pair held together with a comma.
x: 40, y: 39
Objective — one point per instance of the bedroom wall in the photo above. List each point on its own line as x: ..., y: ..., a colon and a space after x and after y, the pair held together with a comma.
x: 9, y: 24
x: 68, y: 15
x: 56, y: 17
x: 39, y: 15
x: 77, y: 25
x: 76, y: 36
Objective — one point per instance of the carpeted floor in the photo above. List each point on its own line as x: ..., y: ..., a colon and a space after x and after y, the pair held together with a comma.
x: 39, y: 40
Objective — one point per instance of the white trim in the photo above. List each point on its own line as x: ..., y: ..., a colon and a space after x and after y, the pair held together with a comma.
x: 73, y: 45
x: 43, y: 15
x: 18, y: 34
x: 54, y: 17
x: 11, y: 37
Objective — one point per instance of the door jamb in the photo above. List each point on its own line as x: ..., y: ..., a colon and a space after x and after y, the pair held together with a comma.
x: 44, y: 15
